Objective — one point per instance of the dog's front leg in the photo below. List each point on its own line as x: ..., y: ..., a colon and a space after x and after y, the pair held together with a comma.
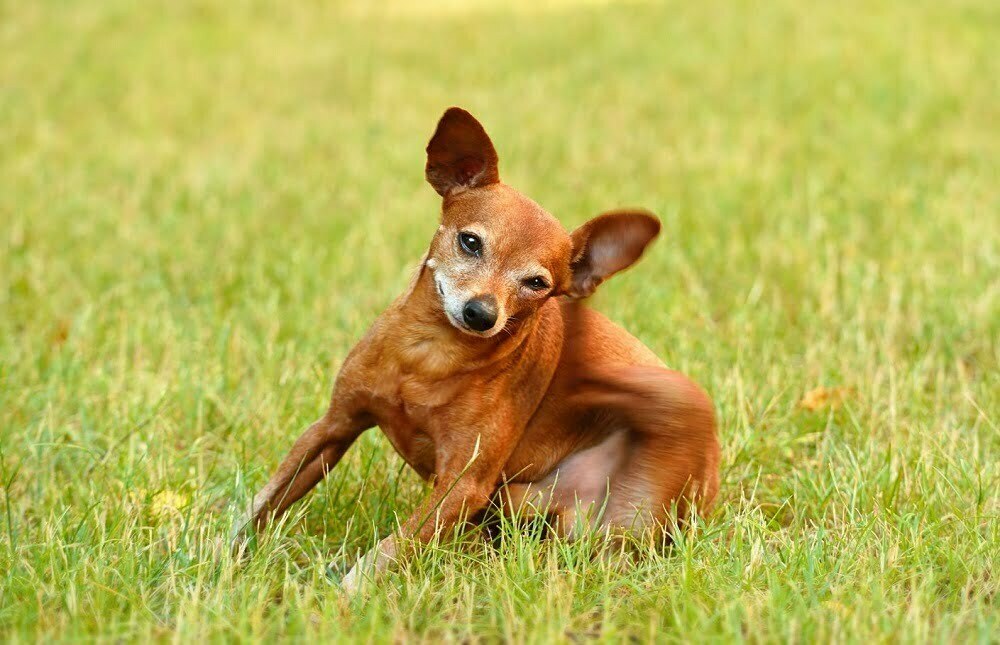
x: 464, y: 487
x: 312, y: 456
x: 442, y: 511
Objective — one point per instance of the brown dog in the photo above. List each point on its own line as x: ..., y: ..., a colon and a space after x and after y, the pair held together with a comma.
x: 492, y: 388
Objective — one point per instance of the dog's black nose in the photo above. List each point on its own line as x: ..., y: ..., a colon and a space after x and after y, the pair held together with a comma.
x: 480, y: 313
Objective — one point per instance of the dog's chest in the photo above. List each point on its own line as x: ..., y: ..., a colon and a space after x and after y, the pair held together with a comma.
x: 403, y: 411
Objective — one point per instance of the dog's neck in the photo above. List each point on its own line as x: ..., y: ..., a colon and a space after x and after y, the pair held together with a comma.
x: 429, y: 344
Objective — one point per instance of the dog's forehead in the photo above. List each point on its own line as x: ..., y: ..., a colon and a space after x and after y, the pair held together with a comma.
x: 514, y: 224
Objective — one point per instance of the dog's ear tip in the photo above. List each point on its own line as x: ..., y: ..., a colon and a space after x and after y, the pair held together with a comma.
x: 456, y: 113
x: 645, y: 220
x: 649, y: 220
x: 655, y: 225
x: 644, y: 215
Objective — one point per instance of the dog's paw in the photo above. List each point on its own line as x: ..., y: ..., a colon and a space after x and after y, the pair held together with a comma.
x: 354, y: 581
x: 369, y: 566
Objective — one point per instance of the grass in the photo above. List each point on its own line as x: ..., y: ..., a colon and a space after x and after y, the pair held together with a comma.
x: 203, y: 205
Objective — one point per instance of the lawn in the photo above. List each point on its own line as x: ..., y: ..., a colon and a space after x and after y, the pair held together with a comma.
x: 203, y: 205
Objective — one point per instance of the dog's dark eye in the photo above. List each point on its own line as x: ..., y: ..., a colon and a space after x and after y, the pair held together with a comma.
x: 470, y: 243
x: 536, y: 283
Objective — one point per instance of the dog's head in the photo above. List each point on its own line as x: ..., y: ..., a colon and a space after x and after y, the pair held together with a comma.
x: 498, y: 256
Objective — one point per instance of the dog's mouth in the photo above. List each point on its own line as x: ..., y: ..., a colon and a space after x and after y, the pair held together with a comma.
x: 465, y: 329
x: 456, y: 319
x: 460, y: 325
x: 457, y: 322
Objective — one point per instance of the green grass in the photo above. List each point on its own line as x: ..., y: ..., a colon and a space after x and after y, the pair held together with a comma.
x: 203, y: 205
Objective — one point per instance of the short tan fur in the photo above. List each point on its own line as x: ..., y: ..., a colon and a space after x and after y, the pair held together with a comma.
x: 493, y: 383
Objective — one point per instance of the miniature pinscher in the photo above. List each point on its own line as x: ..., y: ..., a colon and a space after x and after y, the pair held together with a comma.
x: 495, y: 386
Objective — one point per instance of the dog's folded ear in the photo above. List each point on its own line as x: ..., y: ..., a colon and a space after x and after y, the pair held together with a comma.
x: 460, y: 155
x: 607, y: 244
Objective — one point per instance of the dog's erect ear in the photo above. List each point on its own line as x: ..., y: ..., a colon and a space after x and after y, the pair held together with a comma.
x: 607, y: 244
x: 460, y: 155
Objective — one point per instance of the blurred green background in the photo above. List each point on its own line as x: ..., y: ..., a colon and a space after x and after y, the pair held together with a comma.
x: 204, y: 204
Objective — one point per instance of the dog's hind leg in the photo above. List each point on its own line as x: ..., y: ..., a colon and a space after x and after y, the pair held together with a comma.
x: 673, y: 457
